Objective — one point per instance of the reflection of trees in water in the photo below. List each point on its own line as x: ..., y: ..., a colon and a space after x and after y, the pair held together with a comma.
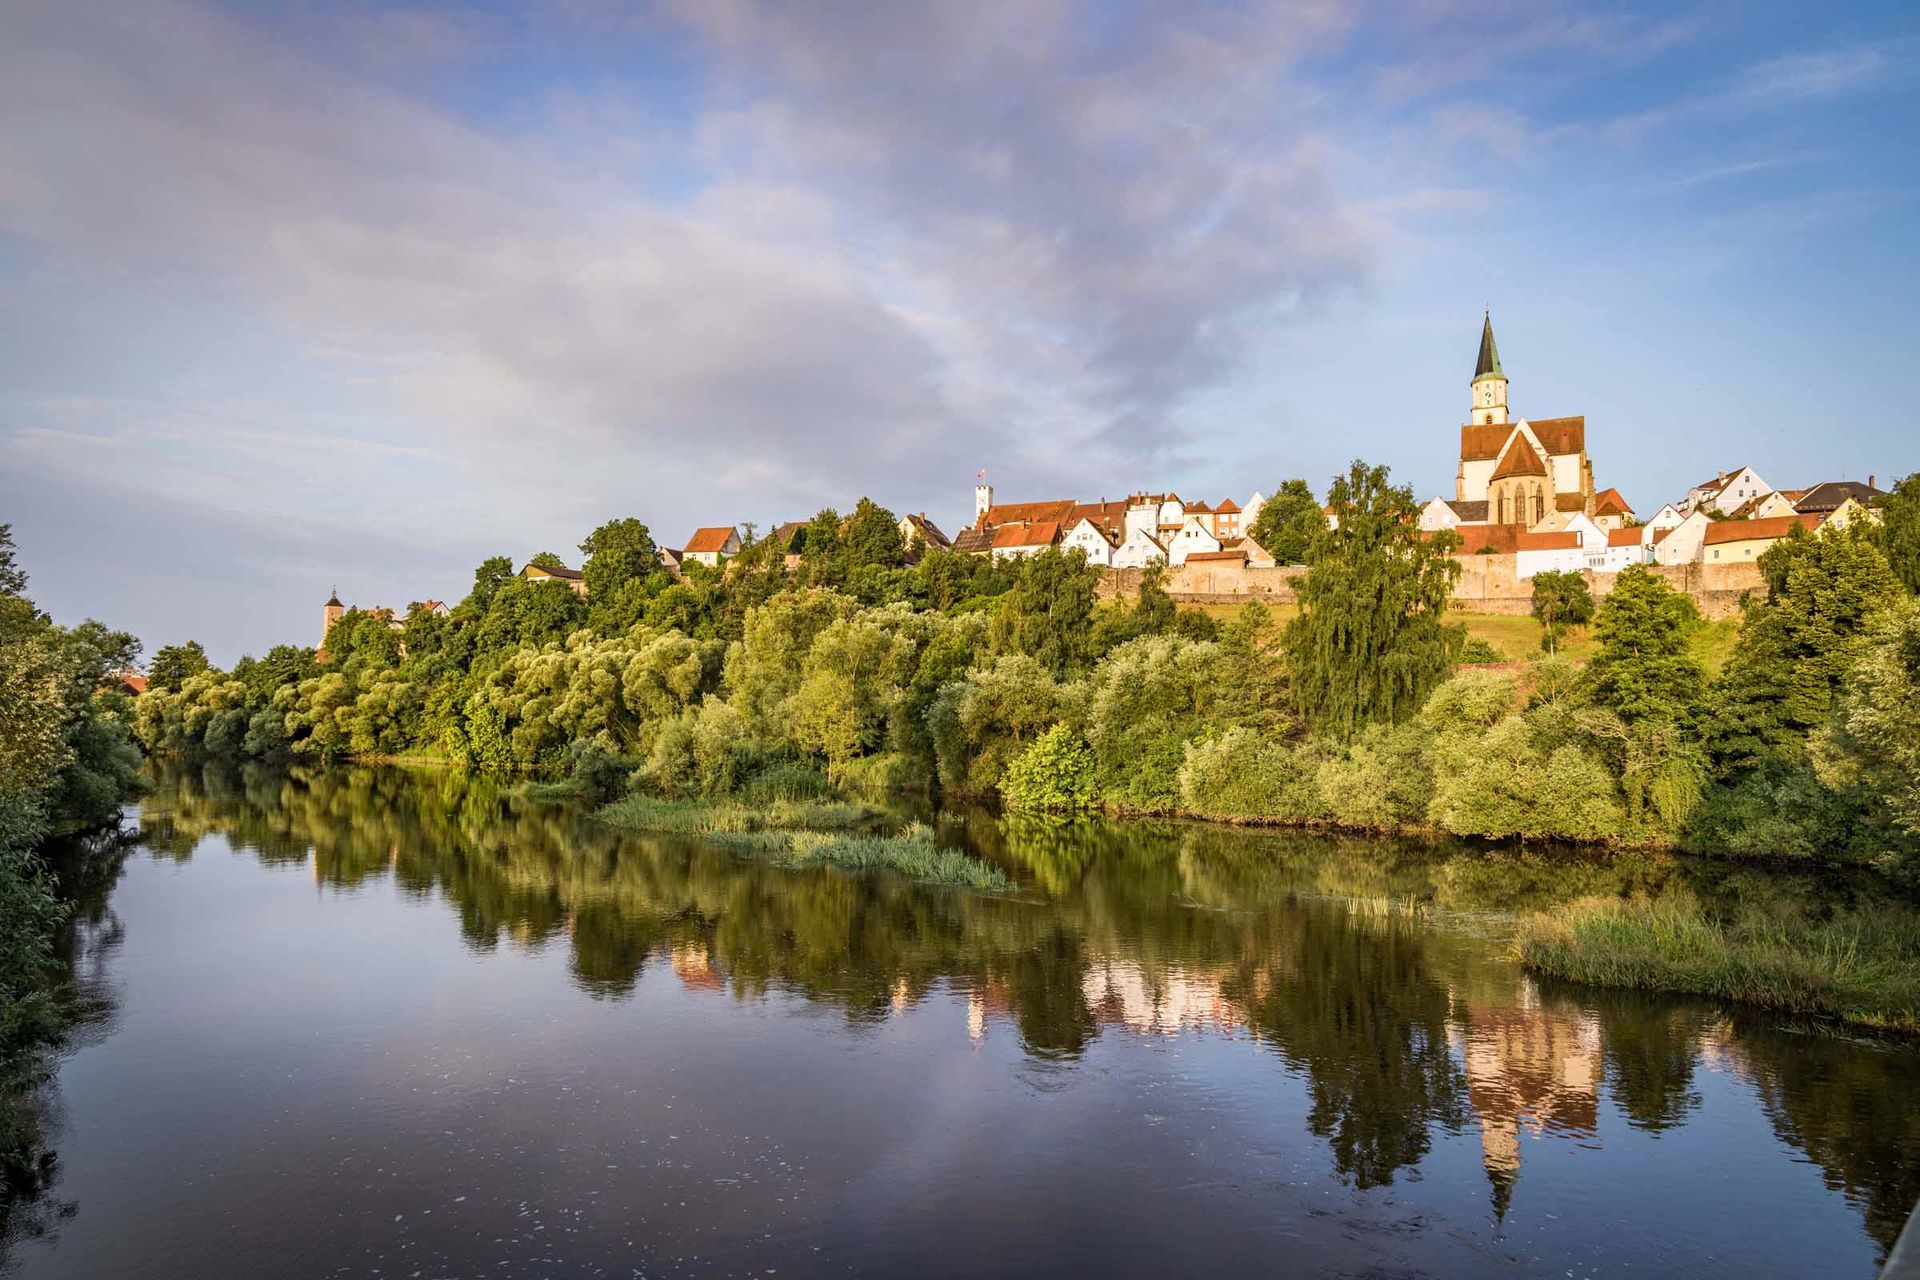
x: 1318, y: 946
x: 85, y: 870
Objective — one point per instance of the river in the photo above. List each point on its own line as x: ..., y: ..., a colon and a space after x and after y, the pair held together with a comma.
x: 387, y: 1022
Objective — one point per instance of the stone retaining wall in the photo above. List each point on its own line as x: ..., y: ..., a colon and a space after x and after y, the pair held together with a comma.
x: 1488, y: 584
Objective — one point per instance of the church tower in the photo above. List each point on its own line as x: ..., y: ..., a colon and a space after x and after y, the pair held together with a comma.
x: 1489, y: 382
x: 330, y: 615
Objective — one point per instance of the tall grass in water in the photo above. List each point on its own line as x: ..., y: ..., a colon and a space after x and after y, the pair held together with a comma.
x: 710, y: 817
x: 1860, y: 965
x: 911, y: 852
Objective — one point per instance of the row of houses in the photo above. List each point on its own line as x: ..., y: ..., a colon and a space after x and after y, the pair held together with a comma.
x: 1125, y: 533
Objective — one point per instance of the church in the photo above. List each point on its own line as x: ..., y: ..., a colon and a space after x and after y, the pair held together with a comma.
x: 1517, y: 474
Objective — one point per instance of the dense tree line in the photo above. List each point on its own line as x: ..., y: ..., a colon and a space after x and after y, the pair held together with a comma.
x: 882, y: 667
x: 66, y: 763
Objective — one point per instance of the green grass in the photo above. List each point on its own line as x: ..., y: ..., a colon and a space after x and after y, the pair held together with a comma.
x: 731, y: 817
x: 911, y: 853
x: 564, y: 789
x: 1861, y: 966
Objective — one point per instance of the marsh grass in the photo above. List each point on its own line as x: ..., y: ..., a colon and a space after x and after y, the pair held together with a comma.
x: 910, y: 852
x: 1861, y: 964
x: 731, y: 817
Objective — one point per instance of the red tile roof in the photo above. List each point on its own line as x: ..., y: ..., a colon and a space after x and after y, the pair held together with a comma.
x: 1501, y: 538
x: 1748, y: 530
x: 1520, y: 459
x: 1481, y: 442
x: 709, y: 539
x: 1237, y: 553
x: 1632, y: 537
x: 1040, y: 533
x: 1565, y: 540
x: 1227, y: 508
x: 1561, y: 435
x: 1609, y: 502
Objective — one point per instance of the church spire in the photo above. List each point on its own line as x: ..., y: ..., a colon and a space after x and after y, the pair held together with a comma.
x: 1488, y: 366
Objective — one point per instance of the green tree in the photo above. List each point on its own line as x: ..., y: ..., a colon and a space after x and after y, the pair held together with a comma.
x: 1048, y: 612
x: 1874, y: 739
x: 1289, y: 522
x: 173, y: 663
x: 619, y: 552
x: 823, y: 559
x: 872, y: 538
x: 1371, y: 640
x: 1899, y: 532
x: 1561, y: 598
x: 1797, y: 645
x: 1645, y: 669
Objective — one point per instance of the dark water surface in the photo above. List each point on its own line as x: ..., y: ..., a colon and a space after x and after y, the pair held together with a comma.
x: 397, y: 1023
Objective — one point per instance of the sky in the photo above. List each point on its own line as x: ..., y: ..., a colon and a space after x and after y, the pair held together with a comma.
x: 304, y: 296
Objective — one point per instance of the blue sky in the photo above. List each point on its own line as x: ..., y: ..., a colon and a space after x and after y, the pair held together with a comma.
x: 303, y: 295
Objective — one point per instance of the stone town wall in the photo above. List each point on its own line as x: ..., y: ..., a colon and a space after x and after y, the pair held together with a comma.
x: 1488, y: 584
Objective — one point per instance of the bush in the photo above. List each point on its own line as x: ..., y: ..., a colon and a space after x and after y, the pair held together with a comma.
x: 1243, y: 774
x: 1384, y: 780
x: 1054, y: 775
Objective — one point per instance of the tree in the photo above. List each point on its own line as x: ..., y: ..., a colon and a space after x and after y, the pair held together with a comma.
x: 618, y: 552
x: 494, y: 573
x: 1900, y: 530
x: 1371, y: 641
x: 872, y: 538
x: 173, y: 663
x: 1560, y: 598
x: 1047, y: 613
x: 547, y: 560
x: 822, y: 559
x: 1289, y: 522
x: 1797, y: 645
x: 1645, y: 669
x: 1875, y: 735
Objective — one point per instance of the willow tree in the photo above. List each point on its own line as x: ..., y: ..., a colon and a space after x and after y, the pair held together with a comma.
x: 1371, y: 640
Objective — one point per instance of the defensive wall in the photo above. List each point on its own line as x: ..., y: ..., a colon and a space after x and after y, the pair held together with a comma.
x: 1488, y: 584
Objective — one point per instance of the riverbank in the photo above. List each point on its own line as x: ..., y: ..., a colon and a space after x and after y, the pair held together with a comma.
x: 1859, y: 965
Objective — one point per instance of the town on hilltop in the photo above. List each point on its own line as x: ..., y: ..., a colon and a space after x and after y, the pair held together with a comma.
x: 1524, y: 503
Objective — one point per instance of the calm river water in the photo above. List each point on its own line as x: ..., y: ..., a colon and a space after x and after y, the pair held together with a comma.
x: 393, y: 1023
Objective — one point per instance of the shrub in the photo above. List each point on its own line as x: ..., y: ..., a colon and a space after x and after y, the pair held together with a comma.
x: 1244, y: 774
x: 1054, y: 775
x: 1384, y: 780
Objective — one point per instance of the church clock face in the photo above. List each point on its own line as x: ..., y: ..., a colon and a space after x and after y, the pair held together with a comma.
x: 1486, y: 395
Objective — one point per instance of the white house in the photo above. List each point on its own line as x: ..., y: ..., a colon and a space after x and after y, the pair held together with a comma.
x: 1559, y: 550
x: 1028, y: 538
x: 1620, y: 549
x: 1250, y: 513
x: 1092, y: 539
x: 1726, y: 492
x: 1438, y: 514
x: 1681, y: 544
x: 1193, y: 536
x: 1667, y: 517
x: 1138, y: 550
x: 711, y: 545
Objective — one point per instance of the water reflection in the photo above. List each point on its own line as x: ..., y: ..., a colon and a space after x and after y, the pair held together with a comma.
x: 1375, y: 970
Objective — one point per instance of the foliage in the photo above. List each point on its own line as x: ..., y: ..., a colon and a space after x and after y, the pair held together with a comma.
x: 1053, y: 775
x: 1370, y: 642
x: 1383, y: 780
x: 981, y: 722
x: 1899, y: 531
x: 172, y: 664
x: 1561, y: 598
x: 1046, y: 614
x: 1246, y: 774
x: 1645, y: 669
x: 1873, y: 741
x: 1289, y: 522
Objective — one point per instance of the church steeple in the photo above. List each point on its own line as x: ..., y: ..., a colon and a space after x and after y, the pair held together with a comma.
x: 1488, y: 366
x: 1489, y: 398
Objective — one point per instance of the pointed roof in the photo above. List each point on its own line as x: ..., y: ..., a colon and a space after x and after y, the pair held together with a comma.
x: 1610, y: 502
x: 333, y: 599
x: 1488, y: 366
x: 1520, y: 459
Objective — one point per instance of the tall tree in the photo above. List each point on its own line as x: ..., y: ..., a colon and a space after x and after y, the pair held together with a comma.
x: 174, y: 663
x: 1288, y: 522
x: 1371, y: 640
x: 1900, y: 530
x: 1797, y: 645
x: 1645, y: 669
x: 1561, y: 598
x: 872, y: 538
x: 618, y: 552
x: 1046, y: 614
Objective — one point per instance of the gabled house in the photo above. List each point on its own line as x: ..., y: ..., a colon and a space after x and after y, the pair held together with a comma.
x: 709, y: 546
x: 1621, y: 549
x: 1764, y: 507
x: 1849, y: 510
x: 1092, y: 539
x: 573, y: 578
x: 1192, y: 536
x: 1611, y: 510
x: 1826, y: 498
x: 1018, y: 541
x: 1666, y: 517
x: 1736, y: 541
x: 1138, y: 549
x: 1680, y: 544
x: 916, y: 528
x: 1725, y: 493
x: 1226, y: 519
